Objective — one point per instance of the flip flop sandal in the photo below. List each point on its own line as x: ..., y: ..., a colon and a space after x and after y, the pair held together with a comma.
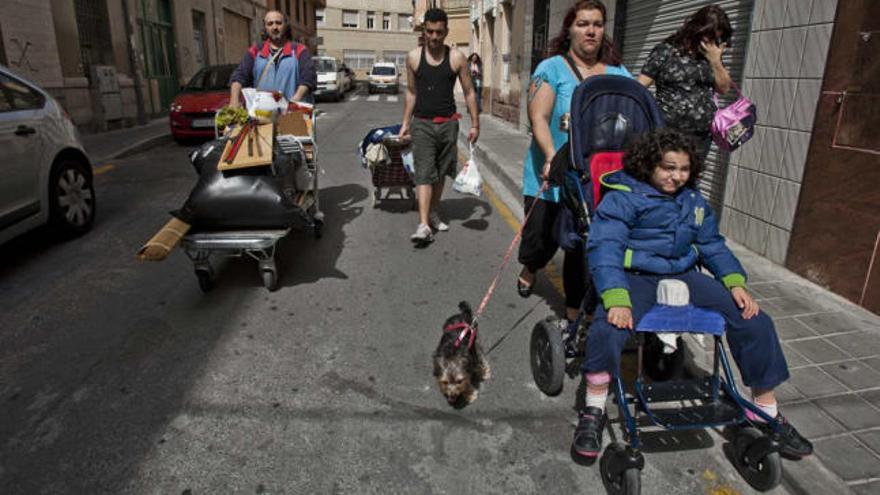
x: 524, y: 290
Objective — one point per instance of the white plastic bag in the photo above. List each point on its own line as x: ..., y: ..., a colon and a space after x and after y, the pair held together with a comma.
x: 468, y: 180
x: 406, y: 157
x: 262, y: 104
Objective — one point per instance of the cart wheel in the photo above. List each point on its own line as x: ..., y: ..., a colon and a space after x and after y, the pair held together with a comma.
x: 547, y: 356
x: 318, y: 229
x: 270, y: 280
x: 376, y: 196
x: 412, y: 195
x: 766, y: 474
x: 206, y: 279
x: 629, y: 482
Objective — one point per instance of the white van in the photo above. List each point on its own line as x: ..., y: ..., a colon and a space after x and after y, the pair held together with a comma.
x: 332, y: 82
x: 383, y: 77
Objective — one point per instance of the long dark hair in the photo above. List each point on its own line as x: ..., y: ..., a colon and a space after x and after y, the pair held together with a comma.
x: 709, y: 22
x: 562, y: 42
x: 646, y: 152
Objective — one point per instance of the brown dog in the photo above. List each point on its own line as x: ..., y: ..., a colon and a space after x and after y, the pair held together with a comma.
x: 459, y: 364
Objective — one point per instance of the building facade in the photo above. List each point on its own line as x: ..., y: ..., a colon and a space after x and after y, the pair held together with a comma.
x: 362, y: 32
x: 113, y: 62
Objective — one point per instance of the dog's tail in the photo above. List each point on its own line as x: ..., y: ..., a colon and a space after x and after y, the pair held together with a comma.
x: 466, y: 311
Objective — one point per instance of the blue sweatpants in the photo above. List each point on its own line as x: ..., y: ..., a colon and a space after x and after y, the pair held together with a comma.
x: 753, y: 342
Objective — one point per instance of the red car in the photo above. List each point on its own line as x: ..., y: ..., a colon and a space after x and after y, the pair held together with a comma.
x: 192, y: 111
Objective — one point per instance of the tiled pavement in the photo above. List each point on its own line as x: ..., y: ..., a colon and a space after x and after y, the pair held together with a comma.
x: 832, y: 347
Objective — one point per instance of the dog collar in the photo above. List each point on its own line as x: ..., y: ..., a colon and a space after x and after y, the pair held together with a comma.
x: 466, y: 331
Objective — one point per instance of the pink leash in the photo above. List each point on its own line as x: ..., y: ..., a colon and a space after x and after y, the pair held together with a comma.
x: 472, y: 328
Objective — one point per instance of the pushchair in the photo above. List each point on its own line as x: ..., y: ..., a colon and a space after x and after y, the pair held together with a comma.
x: 606, y: 113
x: 389, y: 159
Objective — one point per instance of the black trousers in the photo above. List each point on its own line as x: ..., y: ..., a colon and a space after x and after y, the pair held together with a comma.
x: 538, y: 245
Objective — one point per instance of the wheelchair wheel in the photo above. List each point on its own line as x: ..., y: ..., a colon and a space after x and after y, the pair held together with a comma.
x: 547, y: 356
x: 766, y: 473
x: 629, y: 482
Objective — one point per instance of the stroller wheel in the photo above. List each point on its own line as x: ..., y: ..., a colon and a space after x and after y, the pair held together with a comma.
x: 376, y: 194
x: 626, y: 482
x: 547, y: 356
x: 318, y: 229
x: 761, y: 474
x: 270, y: 280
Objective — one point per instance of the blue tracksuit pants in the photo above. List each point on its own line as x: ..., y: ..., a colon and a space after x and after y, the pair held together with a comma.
x: 753, y: 342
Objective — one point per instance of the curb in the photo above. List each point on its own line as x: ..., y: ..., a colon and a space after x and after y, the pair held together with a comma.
x: 138, y: 147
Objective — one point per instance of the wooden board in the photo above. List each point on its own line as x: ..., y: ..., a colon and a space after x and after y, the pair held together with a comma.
x: 295, y: 123
x: 249, y: 156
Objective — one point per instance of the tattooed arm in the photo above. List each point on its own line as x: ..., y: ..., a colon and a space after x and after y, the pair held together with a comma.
x: 541, y: 101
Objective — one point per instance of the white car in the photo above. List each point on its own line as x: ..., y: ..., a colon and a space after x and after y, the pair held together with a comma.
x: 383, y: 77
x: 331, y: 78
x: 45, y: 174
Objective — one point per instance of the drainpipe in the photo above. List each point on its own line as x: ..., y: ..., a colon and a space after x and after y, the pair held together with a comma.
x: 135, y: 68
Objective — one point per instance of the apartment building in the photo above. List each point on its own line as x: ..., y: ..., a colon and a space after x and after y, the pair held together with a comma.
x: 362, y: 32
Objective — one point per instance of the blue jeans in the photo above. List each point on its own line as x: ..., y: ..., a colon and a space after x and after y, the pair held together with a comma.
x: 753, y: 342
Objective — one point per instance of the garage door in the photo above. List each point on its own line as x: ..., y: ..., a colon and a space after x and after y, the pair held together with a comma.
x: 648, y: 22
x: 237, y: 39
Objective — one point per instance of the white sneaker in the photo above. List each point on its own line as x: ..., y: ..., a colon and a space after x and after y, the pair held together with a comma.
x: 436, y: 223
x: 423, y: 234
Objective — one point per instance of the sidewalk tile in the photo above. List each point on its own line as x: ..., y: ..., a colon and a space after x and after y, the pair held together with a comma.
x: 873, y: 362
x: 834, y: 322
x: 872, y: 396
x: 786, y: 393
x: 810, y: 421
x: 793, y: 358
x: 814, y: 382
x: 860, y: 345
x: 854, y: 374
x: 851, y: 411
x: 781, y: 307
x: 819, y: 350
x: 791, y: 328
x: 871, y: 488
x: 871, y: 439
x: 849, y: 459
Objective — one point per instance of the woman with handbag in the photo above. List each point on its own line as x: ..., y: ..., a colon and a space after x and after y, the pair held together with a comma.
x: 687, y: 70
x: 579, y: 51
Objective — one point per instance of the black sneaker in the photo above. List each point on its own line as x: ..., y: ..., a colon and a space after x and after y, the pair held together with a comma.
x: 588, y: 434
x: 794, y: 445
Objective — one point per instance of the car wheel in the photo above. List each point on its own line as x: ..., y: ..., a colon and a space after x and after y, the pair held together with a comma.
x: 71, y: 198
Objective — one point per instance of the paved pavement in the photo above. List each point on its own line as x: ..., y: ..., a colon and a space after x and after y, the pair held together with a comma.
x: 103, y: 146
x: 832, y: 346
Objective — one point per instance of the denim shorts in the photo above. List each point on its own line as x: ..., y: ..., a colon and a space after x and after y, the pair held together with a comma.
x: 435, y: 150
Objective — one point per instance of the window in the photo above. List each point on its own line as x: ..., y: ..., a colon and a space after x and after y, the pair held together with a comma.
x: 396, y: 57
x: 359, y: 59
x: 211, y: 79
x: 349, y: 18
x: 19, y: 96
x: 403, y: 22
x: 319, y: 17
x: 371, y: 19
x: 386, y: 21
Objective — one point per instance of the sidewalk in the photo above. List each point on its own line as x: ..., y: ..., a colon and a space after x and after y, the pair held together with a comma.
x: 832, y: 346
x: 103, y: 146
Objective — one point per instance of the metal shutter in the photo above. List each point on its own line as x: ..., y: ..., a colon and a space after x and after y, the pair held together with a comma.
x: 648, y: 22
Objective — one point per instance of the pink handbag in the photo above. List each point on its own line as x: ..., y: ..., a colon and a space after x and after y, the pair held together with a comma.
x: 734, y: 124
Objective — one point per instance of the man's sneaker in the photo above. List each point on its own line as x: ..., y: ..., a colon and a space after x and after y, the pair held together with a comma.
x: 588, y: 434
x: 437, y: 224
x: 423, y: 235
x: 793, y: 443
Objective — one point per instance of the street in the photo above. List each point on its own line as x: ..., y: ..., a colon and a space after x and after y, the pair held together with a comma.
x: 120, y: 376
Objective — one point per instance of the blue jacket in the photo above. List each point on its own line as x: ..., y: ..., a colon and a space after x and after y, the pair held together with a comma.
x: 640, y: 229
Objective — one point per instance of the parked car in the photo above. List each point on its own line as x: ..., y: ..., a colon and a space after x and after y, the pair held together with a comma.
x: 192, y: 111
x: 331, y: 79
x: 46, y: 173
x: 383, y: 77
x: 348, y: 74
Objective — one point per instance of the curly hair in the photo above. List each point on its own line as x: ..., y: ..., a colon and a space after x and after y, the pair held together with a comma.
x: 709, y: 22
x: 646, y: 152
x: 562, y: 42
x: 287, y: 34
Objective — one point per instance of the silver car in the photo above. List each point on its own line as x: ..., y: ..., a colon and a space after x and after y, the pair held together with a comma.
x: 45, y: 174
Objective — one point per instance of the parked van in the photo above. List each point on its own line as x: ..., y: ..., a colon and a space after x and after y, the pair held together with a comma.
x: 383, y: 77
x: 332, y: 83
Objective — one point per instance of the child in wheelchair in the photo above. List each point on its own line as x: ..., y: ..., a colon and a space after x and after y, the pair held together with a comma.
x: 653, y: 224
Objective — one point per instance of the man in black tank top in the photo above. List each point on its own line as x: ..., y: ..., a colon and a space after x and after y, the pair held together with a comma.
x: 430, y: 119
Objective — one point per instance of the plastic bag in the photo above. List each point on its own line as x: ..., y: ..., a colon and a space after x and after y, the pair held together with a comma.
x: 468, y: 180
x: 263, y: 104
x: 406, y: 157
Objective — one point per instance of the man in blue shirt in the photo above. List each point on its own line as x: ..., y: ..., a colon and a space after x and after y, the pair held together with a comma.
x: 277, y: 64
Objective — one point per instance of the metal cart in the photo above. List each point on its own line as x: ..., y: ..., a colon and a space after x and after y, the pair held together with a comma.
x: 393, y: 175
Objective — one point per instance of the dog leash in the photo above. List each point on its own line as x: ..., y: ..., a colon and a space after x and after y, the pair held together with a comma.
x: 471, y: 329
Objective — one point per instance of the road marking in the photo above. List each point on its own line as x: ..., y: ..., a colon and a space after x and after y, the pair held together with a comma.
x: 355, y: 98
x: 373, y: 98
x: 103, y: 169
x: 392, y: 98
x: 550, y: 270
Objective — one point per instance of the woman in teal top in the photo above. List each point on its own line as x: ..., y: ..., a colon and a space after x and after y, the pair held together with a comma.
x: 583, y: 47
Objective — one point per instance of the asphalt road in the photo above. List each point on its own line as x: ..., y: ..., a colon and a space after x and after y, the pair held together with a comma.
x: 118, y: 376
